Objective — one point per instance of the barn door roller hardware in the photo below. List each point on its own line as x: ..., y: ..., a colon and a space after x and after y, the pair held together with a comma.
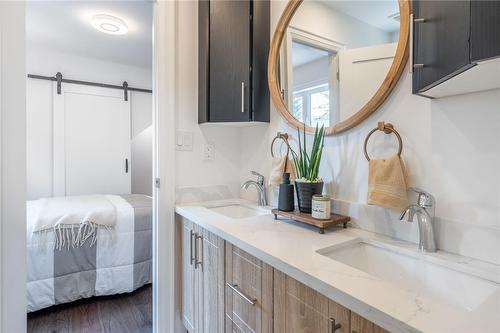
x: 59, y: 79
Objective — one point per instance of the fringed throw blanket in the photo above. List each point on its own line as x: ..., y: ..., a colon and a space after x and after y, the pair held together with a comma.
x: 117, y: 262
x: 74, y: 220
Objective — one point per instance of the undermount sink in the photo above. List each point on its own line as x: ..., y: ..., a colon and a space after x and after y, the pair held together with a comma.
x: 414, y: 271
x: 238, y: 211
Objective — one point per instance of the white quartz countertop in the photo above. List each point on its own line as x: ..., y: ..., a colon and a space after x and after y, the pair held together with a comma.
x: 292, y: 249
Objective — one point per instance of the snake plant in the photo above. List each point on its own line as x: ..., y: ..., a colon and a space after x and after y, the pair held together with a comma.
x: 307, y: 165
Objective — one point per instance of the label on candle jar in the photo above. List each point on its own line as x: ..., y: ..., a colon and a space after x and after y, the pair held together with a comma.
x: 321, y: 208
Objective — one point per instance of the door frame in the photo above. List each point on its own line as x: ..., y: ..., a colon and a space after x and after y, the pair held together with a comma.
x: 313, y: 40
x: 13, y: 166
x: 164, y: 81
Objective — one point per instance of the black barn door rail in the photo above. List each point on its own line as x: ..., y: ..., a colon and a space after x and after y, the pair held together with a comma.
x: 59, y: 79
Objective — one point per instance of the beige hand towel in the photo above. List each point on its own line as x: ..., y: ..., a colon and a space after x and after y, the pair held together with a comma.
x: 387, y: 183
x: 278, y: 168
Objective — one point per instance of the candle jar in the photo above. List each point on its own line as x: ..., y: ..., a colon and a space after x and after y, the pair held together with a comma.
x: 321, y: 207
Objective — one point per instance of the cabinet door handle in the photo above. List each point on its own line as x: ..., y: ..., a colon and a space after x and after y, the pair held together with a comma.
x: 242, y: 97
x: 234, y: 287
x: 191, y: 235
x: 412, y: 23
x: 197, y: 261
x: 126, y: 165
x: 334, y: 326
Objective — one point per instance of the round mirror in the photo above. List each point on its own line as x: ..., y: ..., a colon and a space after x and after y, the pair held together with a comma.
x: 333, y: 63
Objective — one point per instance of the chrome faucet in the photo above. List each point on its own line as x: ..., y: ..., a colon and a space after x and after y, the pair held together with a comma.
x: 424, y: 209
x: 259, y: 184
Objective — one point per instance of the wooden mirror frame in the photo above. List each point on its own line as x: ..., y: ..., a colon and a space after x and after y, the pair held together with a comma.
x: 392, y: 77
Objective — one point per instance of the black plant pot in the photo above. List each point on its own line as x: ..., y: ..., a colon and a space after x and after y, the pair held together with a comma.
x: 305, y: 191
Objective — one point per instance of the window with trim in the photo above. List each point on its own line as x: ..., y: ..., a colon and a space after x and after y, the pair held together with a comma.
x: 312, y: 105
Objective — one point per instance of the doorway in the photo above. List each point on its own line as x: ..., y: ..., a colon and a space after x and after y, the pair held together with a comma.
x: 89, y: 166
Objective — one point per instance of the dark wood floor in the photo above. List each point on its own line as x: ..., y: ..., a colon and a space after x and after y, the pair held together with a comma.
x: 126, y: 313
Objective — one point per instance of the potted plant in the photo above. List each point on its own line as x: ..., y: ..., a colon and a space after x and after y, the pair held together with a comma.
x: 308, y: 183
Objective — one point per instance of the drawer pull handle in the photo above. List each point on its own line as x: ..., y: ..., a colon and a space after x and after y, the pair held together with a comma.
x: 334, y: 326
x: 235, y: 288
x: 191, y: 243
x: 197, y: 261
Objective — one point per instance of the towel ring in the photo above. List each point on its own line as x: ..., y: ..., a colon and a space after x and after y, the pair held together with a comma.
x: 284, y: 137
x: 387, y: 129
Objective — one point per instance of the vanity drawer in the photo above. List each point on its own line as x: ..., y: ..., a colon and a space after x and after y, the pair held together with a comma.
x: 300, y: 309
x: 362, y: 325
x: 248, y: 292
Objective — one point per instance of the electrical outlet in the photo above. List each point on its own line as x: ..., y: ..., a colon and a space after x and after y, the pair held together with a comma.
x: 208, y: 152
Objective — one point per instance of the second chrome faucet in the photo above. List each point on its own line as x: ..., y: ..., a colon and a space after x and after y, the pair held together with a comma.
x: 424, y: 209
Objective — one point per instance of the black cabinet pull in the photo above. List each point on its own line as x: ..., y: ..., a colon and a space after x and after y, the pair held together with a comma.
x: 126, y: 165
x: 334, y: 326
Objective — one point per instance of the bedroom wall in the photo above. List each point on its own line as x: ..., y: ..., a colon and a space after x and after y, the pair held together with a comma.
x: 44, y: 61
x: 451, y: 148
x: 142, y: 143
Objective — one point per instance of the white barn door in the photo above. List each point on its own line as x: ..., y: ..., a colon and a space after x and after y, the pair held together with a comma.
x: 92, y: 137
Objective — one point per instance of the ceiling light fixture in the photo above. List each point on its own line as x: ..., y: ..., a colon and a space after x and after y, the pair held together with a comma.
x: 109, y: 24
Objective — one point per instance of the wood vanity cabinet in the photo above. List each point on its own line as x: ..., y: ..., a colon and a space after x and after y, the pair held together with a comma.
x: 453, y: 44
x: 225, y: 289
x: 300, y: 309
x: 249, y: 293
x: 233, y: 46
x: 202, y: 280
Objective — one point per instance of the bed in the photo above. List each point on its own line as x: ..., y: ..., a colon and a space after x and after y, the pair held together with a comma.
x: 119, y: 260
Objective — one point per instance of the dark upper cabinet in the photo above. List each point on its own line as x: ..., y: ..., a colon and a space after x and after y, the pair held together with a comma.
x: 233, y: 48
x: 485, y: 30
x: 441, y: 41
x: 449, y: 39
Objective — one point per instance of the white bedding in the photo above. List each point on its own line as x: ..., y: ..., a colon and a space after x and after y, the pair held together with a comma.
x: 118, y: 262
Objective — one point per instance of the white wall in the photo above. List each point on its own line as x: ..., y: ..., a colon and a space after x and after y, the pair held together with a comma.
x: 322, y: 20
x: 192, y: 170
x: 141, y: 163
x: 44, y: 61
x: 451, y: 148
x: 311, y: 73
x: 12, y: 168
x: 142, y: 143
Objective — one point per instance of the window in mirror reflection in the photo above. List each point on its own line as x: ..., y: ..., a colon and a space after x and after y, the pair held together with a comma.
x: 314, y: 79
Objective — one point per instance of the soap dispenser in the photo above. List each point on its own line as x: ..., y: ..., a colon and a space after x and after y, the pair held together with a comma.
x: 286, y: 200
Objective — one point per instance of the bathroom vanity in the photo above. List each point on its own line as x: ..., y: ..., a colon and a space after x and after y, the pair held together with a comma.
x: 243, y: 271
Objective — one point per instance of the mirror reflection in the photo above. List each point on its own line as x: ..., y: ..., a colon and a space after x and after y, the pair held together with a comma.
x: 334, y: 57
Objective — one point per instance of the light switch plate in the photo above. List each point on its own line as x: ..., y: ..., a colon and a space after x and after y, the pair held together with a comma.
x: 183, y: 140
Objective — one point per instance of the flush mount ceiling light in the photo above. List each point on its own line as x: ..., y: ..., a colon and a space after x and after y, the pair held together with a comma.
x: 109, y: 24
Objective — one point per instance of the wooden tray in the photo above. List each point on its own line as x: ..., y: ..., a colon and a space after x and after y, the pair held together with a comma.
x: 308, y: 219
